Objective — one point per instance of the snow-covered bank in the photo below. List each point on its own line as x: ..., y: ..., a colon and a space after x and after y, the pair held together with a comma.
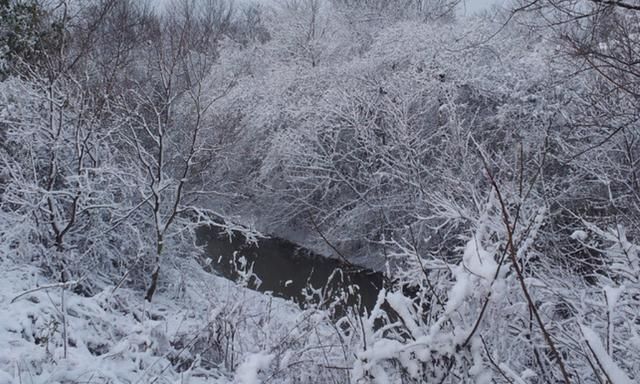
x: 204, y: 329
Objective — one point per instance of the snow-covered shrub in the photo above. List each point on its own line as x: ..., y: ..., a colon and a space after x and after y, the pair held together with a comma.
x: 63, y: 193
x: 504, y: 311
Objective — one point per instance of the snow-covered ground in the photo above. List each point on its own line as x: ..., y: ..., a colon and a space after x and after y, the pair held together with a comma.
x: 203, y: 329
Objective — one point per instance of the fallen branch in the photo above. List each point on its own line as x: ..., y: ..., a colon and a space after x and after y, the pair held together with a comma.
x: 64, y: 285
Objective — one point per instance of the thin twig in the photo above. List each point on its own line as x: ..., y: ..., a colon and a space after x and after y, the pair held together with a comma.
x: 336, y: 250
x: 516, y: 265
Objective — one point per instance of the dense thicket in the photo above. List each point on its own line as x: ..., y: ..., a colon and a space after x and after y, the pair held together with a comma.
x: 491, y: 162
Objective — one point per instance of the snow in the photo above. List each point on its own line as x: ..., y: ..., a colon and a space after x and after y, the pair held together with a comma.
x: 249, y: 371
x: 579, y: 235
x: 111, y: 339
x: 611, y: 369
x: 5, y: 378
x: 104, y: 344
x: 613, y: 295
x: 477, y: 270
x: 460, y: 290
x: 403, y: 306
x: 478, y: 260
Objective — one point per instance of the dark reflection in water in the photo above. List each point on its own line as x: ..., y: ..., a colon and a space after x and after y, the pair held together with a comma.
x: 288, y: 271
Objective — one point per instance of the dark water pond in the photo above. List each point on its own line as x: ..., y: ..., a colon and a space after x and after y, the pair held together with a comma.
x: 289, y: 271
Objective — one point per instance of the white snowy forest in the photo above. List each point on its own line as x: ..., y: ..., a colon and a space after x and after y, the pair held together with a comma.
x: 487, y: 164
